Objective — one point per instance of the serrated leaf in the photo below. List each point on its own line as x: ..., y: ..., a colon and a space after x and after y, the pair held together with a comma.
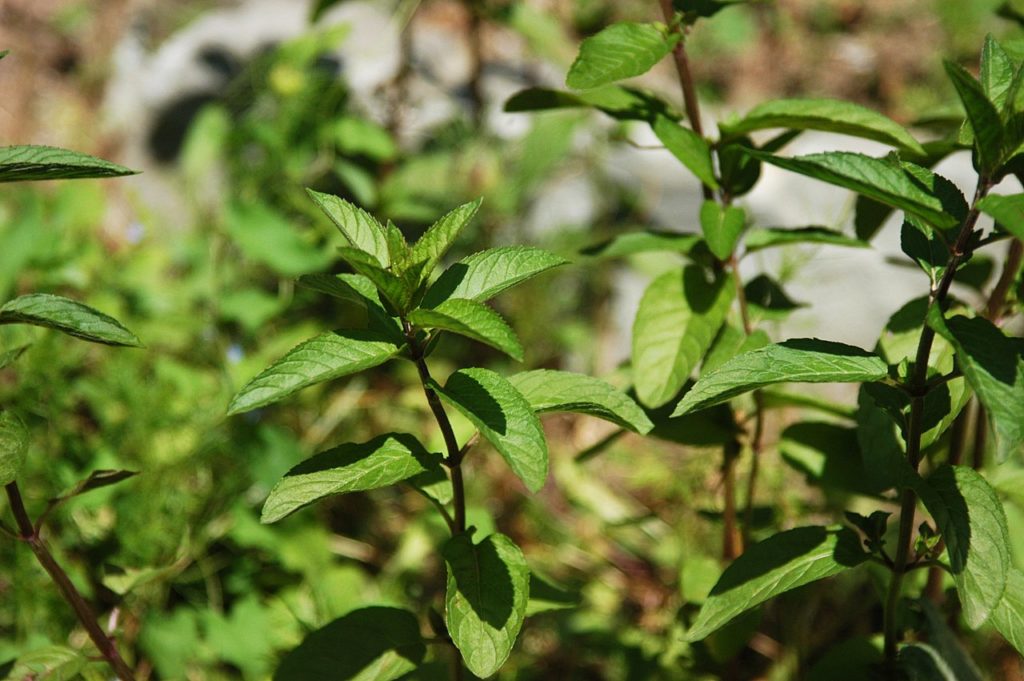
x: 436, y: 241
x: 1008, y: 617
x: 485, y: 605
x: 51, y: 663
x: 690, y: 148
x: 67, y: 316
x: 355, y: 288
x: 622, y: 50
x: 376, y: 643
x: 773, y: 566
x: 997, y: 72
x: 732, y: 341
x: 883, y: 180
x: 993, y: 365
x: 621, y: 103
x: 351, y: 467
x: 982, y: 115
x: 971, y: 519
x: 642, y: 242
x: 504, y: 418
x: 830, y: 115
x: 14, y: 439
x: 721, y: 227
x: 325, y: 357
x: 32, y: 162
x: 1008, y: 211
x: 397, y: 289
x: 923, y: 245
x: 772, y: 237
x: 552, y: 391
x: 361, y: 229
x: 677, y: 320
x: 485, y: 274
x: 801, y: 360
x: 473, y: 320
x: 921, y: 662
x: 881, y: 450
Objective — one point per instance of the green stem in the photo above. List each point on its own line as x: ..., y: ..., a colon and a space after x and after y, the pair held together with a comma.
x: 28, y: 534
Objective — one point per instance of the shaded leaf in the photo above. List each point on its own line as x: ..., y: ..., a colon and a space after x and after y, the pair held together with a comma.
x: 771, y: 237
x: 485, y: 274
x: 14, y: 438
x: 67, y: 316
x: 473, y: 320
x: 982, y: 115
x: 622, y: 103
x: 52, y: 663
x: 398, y: 290
x: 827, y: 454
x: 721, y: 227
x: 945, y: 642
x: 361, y: 229
x: 642, y: 242
x: 1008, y: 617
x: 921, y: 662
x: 622, y: 50
x: 553, y: 391
x: 96, y: 480
x: 31, y: 162
x: 690, y: 148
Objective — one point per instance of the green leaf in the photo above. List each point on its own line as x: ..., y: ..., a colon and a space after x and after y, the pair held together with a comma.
x: 399, y: 290
x: 993, y: 365
x: 830, y: 115
x: 485, y: 274
x: 351, y: 467
x: 982, y: 115
x: 96, y: 480
x: 327, y: 356
x: 642, y: 242
x: 997, y: 72
x: 376, y: 643
x: 1008, y: 211
x: 473, y: 320
x: 883, y: 180
x: 436, y: 241
x: 550, y: 391
x: 772, y: 237
x: 266, y: 236
x: 773, y: 566
x: 13, y: 446
x: 971, y: 519
x: 9, y: 357
x: 622, y: 50
x: 924, y: 246
x: 690, y: 148
x: 801, y: 360
x: 921, y: 662
x: 766, y: 299
x: 360, y: 228
x: 679, y: 315
x: 945, y: 642
x: 31, y: 162
x: 622, y: 103
x: 504, y: 417
x: 732, y: 341
x: 1008, y: 617
x: 67, y: 316
x: 828, y: 455
x: 721, y: 227
x: 52, y: 663
x: 488, y: 590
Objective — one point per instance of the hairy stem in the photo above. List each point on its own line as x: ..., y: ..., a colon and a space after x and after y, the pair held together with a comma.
x: 28, y: 534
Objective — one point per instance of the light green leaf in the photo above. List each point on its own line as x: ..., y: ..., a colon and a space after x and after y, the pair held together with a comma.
x: 13, y: 446
x: 266, y: 236
x: 982, y: 115
x: 31, y: 162
x: 360, y: 228
x: 504, y: 417
x: 52, y: 663
x: 351, y: 467
x: 773, y: 566
x: 971, y: 519
x: 473, y: 320
x: 9, y: 357
x: 550, y: 391
x: 993, y: 365
x: 327, y: 356
x: 830, y: 115
x: 721, y: 227
x: 376, y: 643
x: 67, y: 316
x: 679, y: 315
x: 1008, y: 617
x: 771, y: 237
x: 485, y: 274
x: 399, y: 290
x: 883, y: 180
x: 921, y: 662
x: 996, y: 72
x: 97, y: 479
x: 690, y: 148
x: 801, y: 360
x: 355, y: 288
x: 622, y: 50
x: 732, y: 341
x: 1008, y: 211
x: 436, y: 241
x: 488, y: 589
x: 642, y: 242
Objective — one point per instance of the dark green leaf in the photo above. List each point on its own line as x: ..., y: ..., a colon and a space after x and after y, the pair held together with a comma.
x: 550, y: 391
x: 67, y: 316
x: 504, y: 418
x: 690, y: 148
x: 351, y: 467
x: 1008, y: 211
x: 771, y: 237
x: 721, y: 227
x: 485, y: 274
x: 679, y: 315
x: 358, y: 227
x: 436, y: 241
x: 642, y: 242
x: 399, y: 290
x: 355, y: 288
x: 96, y: 480
x: 739, y: 171
x: 1008, y: 617
x: 827, y: 454
x: 773, y: 566
x: 982, y: 115
x: 921, y: 662
x: 801, y: 360
x: 488, y: 590
x: 14, y: 438
x: 924, y: 246
x: 622, y: 50
x: 622, y: 103
x: 767, y: 300
x: 473, y: 320
x: 376, y: 643
x: 945, y: 642
x: 30, y: 162
x: 329, y: 355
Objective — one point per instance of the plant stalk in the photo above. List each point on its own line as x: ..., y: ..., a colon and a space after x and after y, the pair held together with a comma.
x: 28, y: 534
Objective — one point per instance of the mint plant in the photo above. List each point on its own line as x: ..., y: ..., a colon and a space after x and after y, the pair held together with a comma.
x: 407, y: 311
x: 934, y: 357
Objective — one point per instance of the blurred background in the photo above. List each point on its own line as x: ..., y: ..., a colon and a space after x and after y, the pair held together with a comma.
x: 231, y: 109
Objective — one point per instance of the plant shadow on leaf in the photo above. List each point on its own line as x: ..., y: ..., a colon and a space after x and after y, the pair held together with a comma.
x: 472, y: 394
x: 446, y: 284
x: 817, y: 345
x: 1001, y: 365
x: 956, y: 526
x: 376, y: 642
x: 698, y: 290
x: 348, y: 454
x: 491, y: 601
